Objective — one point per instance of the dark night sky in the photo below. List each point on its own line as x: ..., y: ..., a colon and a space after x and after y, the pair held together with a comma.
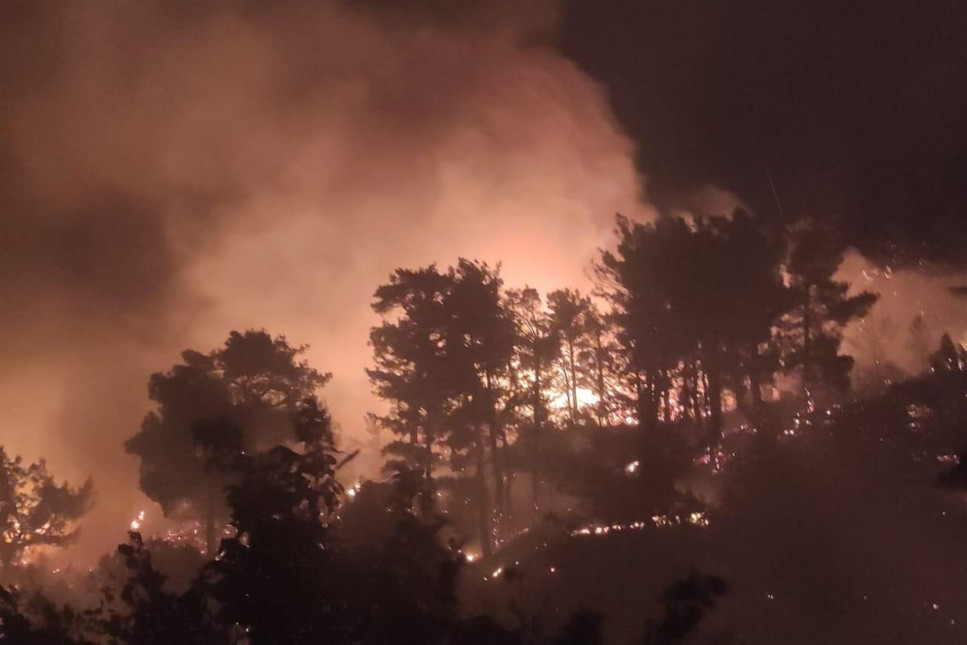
x: 859, y: 109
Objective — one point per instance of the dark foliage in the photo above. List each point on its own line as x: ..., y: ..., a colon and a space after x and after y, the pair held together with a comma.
x: 34, y: 510
x: 211, y: 409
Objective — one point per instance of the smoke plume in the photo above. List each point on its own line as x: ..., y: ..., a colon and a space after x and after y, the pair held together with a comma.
x: 174, y: 170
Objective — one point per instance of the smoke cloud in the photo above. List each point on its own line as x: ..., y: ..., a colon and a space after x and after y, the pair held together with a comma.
x: 888, y: 335
x: 174, y: 170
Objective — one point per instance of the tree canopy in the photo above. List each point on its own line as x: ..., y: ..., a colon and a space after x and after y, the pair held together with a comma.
x: 212, y: 408
x: 35, y: 511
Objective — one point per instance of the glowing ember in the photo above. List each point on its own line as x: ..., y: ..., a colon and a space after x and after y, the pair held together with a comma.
x: 694, y: 519
x: 137, y: 522
x: 585, y: 399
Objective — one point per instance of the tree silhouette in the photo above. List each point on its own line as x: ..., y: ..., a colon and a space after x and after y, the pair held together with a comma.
x: 443, y: 362
x: 695, y: 301
x: 685, y: 603
x: 538, y: 348
x: 752, y: 298
x: 273, y: 578
x: 482, y: 334
x: 305, y: 567
x: 150, y: 614
x: 605, y: 366
x: 570, y: 316
x: 413, y: 370
x: 35, y: 512
x: 403, y: 572
x: 812, y: 331
x: 212, y: 408
x: 949, y: 357
x: 584, y: 627
x: 32, y: 619
x: 644, y: 279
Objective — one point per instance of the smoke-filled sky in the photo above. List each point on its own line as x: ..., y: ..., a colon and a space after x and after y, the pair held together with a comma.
x: 170, y: 171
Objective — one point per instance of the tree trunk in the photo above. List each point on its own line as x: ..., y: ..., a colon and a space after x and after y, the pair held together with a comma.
x: 509, y: 519
x: 536, y: 465
x: 483, y: 509
x: 714, y: 374
x: 755, y: 388
x: 432, y: 431
x: 496, y: 458
x: 694, y: 401
x: 428, y: 467
x: 599, y: 381
x: 647, y: 410
x: 574, y: 385
x: 745, y: 400
x: 639, y: 400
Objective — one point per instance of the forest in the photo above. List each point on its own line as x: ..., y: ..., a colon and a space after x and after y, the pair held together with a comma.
x: 685, y: 453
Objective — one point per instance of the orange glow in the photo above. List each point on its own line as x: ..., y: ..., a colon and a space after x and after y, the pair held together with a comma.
x: 585, y: 399
x: 244, y: 211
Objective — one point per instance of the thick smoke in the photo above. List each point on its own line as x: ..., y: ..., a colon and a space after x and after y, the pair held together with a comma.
x: 174, y: 170
x: 916, y: 307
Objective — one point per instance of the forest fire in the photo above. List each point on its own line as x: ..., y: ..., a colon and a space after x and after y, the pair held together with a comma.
x: 482, y: 321
x: 656, y: 521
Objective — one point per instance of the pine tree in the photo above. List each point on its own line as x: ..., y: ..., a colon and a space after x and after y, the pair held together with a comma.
x: 538, y: 348
x: 443, y: 361
x: 695, y: 302
x: 812, y: 331
x: 413, y: 370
